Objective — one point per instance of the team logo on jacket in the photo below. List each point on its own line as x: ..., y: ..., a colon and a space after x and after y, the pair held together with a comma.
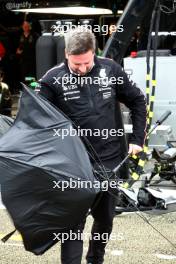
x: 106, y: 95
x: 103, y: 78
x: 102, y: 73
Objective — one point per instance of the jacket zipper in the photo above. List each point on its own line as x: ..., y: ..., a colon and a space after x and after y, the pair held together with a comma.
x: 91, y: 100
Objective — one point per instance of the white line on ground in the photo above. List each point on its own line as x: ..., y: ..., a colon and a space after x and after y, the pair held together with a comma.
x: 117, y: 252
x: 11, y: 244
x: 110, y: 252
x: 162, y: 256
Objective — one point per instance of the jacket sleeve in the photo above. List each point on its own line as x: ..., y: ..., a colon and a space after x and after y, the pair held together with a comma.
x: 46, y: 88
x: 134, y: 99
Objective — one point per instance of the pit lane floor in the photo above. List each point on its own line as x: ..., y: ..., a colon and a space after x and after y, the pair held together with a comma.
x: 133, y: 241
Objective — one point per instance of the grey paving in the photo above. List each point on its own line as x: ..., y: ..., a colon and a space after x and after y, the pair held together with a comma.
x: 133, y: 242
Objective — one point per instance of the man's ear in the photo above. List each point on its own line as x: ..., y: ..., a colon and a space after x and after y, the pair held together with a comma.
x: 66, y: 55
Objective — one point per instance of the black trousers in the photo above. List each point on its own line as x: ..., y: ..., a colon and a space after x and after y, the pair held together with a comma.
x: 103, y: 214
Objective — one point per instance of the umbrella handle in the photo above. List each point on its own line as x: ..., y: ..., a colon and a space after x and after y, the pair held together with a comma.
x: 120, y: 164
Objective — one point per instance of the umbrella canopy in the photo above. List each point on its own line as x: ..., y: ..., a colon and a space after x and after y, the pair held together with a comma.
x: 35, y: 164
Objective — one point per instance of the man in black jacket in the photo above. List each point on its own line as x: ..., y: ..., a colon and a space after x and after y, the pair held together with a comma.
x: 87, y: 88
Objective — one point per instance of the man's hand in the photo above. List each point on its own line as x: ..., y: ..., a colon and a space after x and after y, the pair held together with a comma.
x: 134, y: 149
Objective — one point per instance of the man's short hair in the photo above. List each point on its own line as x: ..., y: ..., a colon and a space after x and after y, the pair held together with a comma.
x: 79, y: 41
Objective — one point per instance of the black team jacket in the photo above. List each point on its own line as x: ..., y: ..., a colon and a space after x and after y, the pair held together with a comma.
x: 90, y: 101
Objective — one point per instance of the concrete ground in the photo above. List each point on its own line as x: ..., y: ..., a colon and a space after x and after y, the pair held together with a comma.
x: 133, y: 241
